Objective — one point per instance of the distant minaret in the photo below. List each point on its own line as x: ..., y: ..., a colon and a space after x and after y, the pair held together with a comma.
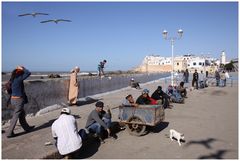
x: 223, y: 57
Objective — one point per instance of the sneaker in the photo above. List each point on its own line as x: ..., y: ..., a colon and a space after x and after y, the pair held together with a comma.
x: 122, y: 127
x: 11, y: 136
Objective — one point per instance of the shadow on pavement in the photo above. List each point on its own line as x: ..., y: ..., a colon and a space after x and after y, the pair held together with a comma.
x: 45, y: 125
x: 88, y: 149
x: 88, y: 100
x: 217, y: 155
x: 91, y: 145
x: 206, y: 143
x: 158, y: 128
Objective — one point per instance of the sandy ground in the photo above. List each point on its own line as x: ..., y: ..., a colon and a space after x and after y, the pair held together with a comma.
x: 208, y: 119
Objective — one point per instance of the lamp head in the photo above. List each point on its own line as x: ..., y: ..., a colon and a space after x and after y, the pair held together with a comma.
x: 180, y: 32
x: 164, y: 34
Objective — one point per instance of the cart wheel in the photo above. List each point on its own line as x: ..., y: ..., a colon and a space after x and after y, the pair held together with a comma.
x: 136, y: 129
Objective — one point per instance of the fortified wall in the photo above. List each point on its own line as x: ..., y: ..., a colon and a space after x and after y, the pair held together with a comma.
x: 46, y: 92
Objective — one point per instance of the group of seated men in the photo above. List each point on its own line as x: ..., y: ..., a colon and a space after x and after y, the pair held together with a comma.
x: 69, y: 139
x: 157, y: 97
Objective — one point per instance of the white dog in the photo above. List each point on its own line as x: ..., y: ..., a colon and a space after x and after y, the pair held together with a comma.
x: 176, y: 135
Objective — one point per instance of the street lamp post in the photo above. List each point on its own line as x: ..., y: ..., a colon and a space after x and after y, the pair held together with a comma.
x: 172, y: 39
x: 147, y: 61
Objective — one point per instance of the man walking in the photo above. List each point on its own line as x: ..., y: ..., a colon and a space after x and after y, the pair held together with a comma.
x: 18, y: 99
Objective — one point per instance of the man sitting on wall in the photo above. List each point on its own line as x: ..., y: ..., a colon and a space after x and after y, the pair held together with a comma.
x: 134, y: 84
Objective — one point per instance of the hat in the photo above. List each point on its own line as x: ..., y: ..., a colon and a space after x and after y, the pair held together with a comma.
x: 145, y: 91
x: 99, y: 104
x: 66, y: 110
x: 132, y: 79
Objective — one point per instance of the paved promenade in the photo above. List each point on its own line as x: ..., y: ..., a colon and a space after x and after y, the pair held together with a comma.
x: 209, y: 120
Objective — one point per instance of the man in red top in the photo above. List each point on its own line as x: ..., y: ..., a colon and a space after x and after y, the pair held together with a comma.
x: 144, y: 99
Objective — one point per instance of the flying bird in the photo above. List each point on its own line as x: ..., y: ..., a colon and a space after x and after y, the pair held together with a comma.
x: 34, y: 14
x: 56, y: 21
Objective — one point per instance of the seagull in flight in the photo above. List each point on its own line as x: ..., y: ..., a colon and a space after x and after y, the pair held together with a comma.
x: 56, y: 21
x: 34, y: 14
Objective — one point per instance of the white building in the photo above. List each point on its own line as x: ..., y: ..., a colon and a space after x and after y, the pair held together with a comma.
x: 196, y: 62
x: 152, y: 59
x: 166, y: 61
x: 188, y: 61
x: 157, y: 60
x: 223, y: 57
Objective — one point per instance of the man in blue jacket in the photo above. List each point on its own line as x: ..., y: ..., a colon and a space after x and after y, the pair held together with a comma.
x: 18, y: 99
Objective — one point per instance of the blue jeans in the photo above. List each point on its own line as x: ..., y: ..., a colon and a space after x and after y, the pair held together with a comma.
x: 97, y: 128
x: 217, y: 82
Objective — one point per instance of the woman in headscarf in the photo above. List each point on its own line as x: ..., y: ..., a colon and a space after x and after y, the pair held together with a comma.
x: 73, y: 87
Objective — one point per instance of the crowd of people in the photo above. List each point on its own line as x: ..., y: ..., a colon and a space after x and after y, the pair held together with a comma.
x: 65, y: 129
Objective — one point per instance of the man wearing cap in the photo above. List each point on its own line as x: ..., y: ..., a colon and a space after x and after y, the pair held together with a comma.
x: 98, y: 120
x: 65, y: 131
x: 73, y: 86
x: 144, y: 99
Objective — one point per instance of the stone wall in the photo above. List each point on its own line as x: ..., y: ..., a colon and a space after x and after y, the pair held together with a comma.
x: 46, y: 92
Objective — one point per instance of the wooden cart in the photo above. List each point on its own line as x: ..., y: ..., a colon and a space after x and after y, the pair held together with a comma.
x: 138, y: 118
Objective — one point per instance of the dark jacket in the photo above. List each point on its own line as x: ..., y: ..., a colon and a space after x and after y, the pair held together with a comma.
x: 195, y: 76
x: 18, y: 85
x: 146, y: 101
x: 143, y: 100
x: 157, y: 94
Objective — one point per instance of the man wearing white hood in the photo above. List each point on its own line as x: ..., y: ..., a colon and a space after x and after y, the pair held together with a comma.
x: 73, y: 86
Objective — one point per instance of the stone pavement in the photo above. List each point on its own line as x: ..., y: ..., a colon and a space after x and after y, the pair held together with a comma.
x: 32, y: 145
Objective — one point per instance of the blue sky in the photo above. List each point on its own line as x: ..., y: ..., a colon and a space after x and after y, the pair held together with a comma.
x: 123, y: 33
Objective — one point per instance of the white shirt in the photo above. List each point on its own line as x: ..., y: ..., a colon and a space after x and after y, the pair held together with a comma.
x: 226, y: 75
x: 126, y: 102
x: 201, y: 77
x: 65, y: 129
